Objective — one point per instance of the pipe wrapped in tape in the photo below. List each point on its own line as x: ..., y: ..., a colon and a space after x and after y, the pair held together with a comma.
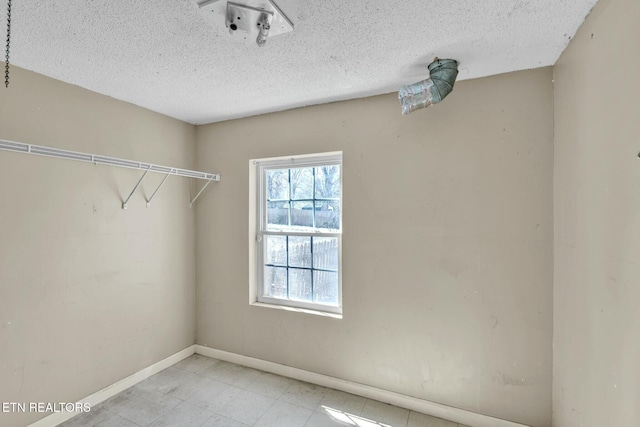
x: 442, y: 76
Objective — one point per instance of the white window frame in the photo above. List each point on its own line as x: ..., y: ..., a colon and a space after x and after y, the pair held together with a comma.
x: 258, y: 223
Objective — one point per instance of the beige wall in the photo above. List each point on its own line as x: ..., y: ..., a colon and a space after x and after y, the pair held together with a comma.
x: 597, y: 222
x: 448, y: 229
x: 89, y: 293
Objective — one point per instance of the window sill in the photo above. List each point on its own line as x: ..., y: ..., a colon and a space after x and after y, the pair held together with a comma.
x: 299, y: 310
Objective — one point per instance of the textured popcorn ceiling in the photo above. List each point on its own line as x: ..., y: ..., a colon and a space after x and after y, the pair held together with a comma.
x: 165, y: 56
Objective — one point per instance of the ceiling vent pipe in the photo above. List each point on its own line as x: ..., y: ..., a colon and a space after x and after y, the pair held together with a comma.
x: 442, y: 76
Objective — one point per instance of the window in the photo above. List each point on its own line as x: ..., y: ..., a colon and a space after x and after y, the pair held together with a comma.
x: 298, y: 231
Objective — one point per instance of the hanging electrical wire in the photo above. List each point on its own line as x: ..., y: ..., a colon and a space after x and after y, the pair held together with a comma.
x: 6, y: 61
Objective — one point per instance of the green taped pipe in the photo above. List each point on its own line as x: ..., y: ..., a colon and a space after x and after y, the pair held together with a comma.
x: 442, y: 76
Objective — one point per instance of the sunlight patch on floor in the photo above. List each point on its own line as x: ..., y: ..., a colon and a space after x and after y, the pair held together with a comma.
x: 350, y: 419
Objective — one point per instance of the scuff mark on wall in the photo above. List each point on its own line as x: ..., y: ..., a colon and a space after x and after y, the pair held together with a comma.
x: 495, y: 321
x: 507, y: 379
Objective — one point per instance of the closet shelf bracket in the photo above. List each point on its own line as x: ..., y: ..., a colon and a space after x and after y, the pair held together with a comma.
x: 124, y: 204
x: 200, y: 192
x: 154, y: 193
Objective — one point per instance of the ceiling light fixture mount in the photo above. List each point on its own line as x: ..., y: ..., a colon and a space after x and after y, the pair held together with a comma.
x: 262, y: 18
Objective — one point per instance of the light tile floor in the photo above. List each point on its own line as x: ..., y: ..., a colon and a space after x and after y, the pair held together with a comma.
x: 204, y: 392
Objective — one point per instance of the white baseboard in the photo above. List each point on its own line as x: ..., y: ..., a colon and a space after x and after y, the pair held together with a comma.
x: 109, y: 391
x: 438, y: 410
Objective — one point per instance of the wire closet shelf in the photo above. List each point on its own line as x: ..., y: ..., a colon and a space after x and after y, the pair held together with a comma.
x: 96, y: 159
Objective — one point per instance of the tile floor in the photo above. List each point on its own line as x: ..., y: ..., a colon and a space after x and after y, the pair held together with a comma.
x: 204, y: 392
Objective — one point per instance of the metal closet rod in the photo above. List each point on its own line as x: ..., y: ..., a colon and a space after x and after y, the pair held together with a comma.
x: 21, y: 147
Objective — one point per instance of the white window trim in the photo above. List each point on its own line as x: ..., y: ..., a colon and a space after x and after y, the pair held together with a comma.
x: 257, y: 220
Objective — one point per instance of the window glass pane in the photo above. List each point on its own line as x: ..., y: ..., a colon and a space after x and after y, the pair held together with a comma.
x: 277, y: 214
x: 299, y: 251
x: 301, y: 183
x: 328, y: 182
x: 275, y: 282
x: 300, y: 284
x: 328, y: 215
x: 276, y: 250
x: 325, y: 287
x: 302, y: 214
x: 325, y: 253
x: 278, y: 184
